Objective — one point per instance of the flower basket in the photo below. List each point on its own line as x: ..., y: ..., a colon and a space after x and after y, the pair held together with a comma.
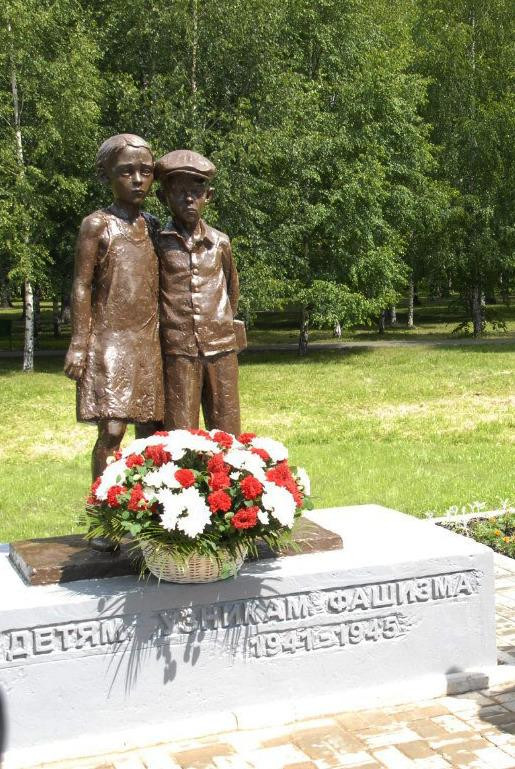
x: 197, y: 568
x: 195, y: 501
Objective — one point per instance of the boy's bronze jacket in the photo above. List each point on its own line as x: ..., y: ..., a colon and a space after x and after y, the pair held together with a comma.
x: 198, y: 295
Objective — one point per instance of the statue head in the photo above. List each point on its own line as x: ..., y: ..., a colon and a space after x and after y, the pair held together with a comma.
x: 125, y: 161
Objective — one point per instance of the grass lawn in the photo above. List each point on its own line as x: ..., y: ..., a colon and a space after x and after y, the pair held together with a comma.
x: 416, y: 429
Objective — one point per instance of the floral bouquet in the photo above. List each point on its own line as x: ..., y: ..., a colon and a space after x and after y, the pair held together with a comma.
x: 188, y: 494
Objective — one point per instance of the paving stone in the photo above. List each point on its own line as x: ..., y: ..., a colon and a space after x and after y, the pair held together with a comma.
x: 452, y: 724
x: 353, y: 761
x: 388, y: 737
x: 495, y: 757
x: 202, y: 757
x: 392, y: 758
x: 231, y: 762
x: 157, y: 758
x: 435, y: 762
x: 427, y: 728
x: 427, y: 711
x: 325, y: 744
x: 128, y: 762
x: 276, y: 758
x: 416, y: 749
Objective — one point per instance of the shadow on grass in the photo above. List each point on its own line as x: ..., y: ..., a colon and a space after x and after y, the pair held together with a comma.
x: 482, y: 346
x: 53, y: 365
x: 259, y: 357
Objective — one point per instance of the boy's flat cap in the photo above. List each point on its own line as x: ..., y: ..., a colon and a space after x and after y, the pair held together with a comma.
x: 184, y: 162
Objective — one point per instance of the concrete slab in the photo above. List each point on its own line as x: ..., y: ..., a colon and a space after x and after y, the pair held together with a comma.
x: 117, y: 663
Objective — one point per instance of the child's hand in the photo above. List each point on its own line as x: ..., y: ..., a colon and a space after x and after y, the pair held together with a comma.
x: 75, y: 362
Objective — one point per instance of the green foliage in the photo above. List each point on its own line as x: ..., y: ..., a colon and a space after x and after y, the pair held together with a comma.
x: 359, y: 142
x: 466, y: 48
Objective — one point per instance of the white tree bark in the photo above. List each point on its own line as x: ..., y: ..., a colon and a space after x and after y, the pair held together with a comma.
x: 477, y: 311
x: 28, y: 346
x: 411, y: 302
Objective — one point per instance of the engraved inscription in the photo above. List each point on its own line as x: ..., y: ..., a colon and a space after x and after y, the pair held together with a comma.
x: 256, y: 627
x: 327, y: 636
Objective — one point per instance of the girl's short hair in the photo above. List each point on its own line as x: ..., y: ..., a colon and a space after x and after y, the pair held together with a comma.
x: 110, y: 149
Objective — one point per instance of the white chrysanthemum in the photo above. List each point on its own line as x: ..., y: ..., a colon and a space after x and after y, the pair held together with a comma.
x: 139, y: 445
x: 135, y: 447
x: 185, y: 510
x: 172, y: 507
x: 244, y: 460
x: 303, y: 479
x: 149, y: 494
x: 163, y: 476
x: 275, y: 449
x: 263, y: 517
x: 183, y: 439
x: 113, y: 475
x: 280, y: 503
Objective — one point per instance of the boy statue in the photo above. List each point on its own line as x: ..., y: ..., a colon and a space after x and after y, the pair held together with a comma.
x: 198, y: 301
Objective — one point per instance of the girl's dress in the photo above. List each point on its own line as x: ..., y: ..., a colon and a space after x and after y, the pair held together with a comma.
x: 123, y: 377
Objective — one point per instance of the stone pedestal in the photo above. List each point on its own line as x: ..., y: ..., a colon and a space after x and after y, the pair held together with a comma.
x: 101, y: 665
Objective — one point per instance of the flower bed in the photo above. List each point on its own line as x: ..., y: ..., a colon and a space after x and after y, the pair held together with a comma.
x: 498, y: 532
x: 197, y: 492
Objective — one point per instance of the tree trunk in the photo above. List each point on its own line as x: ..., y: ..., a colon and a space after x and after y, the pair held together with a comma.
x: 382, y: 322
x: 56, y: 322
x: 411, y: 303
x: 5, y: 295
x: 28, y: 348
x: 477, y: 311
x: 304, y: 332
x: 65, y: 315
x: 504, y: 289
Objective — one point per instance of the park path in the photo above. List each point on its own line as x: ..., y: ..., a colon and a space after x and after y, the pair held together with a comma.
x: 467, y: 731
x: 317, y: 346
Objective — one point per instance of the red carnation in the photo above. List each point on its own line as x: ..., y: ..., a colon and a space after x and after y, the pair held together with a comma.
x: 297, y: 495
x: 185, y: 477
x: 117, y: 455
x: 137, y: 497
x: 219, y: 501
x: 265, y: 456
x: 224, y: 439
x: 157, y: 454
x: 197, y: 431
x: 134, y: 460
x: 219, y: 481
x: 217, y: 465
x: 245, y: 518
x: 246, y: 437
x: 251, y: 487
x: 164, y: 433
x: 280, y: 474
x: 112, y: 495
x: 92, y: 499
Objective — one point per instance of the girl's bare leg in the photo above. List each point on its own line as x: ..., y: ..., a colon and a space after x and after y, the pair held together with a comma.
x: 110, y: 435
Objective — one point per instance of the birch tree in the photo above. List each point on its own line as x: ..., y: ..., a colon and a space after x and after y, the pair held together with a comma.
x: 48, y: 102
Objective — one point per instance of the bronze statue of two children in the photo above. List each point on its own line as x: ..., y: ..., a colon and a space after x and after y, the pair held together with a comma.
x: 153, y: 332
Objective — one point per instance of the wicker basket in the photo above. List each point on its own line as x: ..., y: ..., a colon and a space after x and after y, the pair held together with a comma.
x: 198, y: 568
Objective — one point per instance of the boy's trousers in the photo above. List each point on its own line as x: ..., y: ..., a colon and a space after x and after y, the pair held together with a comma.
x: 210, y: 381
